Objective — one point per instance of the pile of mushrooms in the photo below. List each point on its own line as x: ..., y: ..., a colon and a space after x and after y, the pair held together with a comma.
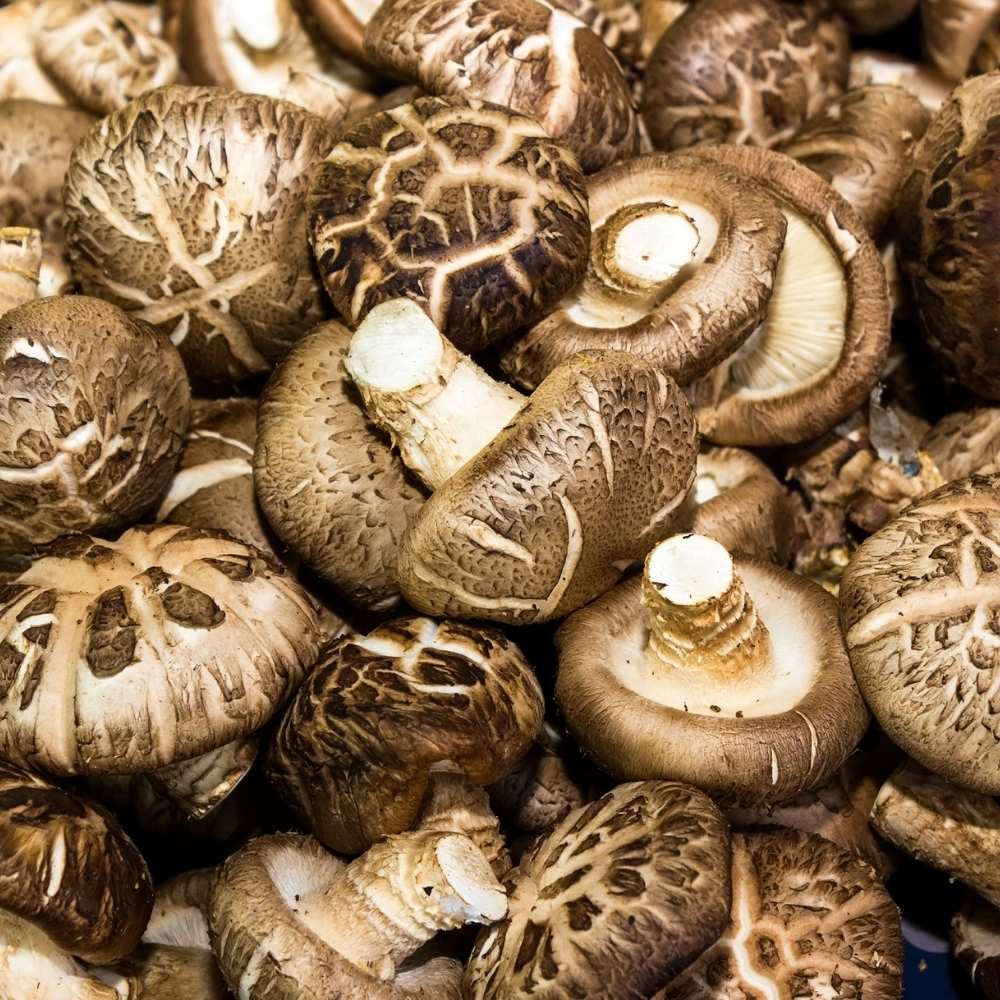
x: 497, y: 502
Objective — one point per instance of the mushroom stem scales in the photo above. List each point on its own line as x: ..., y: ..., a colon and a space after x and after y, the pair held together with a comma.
x: 20, y: 264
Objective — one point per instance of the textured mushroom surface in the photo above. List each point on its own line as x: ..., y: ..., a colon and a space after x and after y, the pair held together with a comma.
x: 918, y: 604
x: 20, y: 265
x: 743, y: 71
x: 975, y: 942
x: 188, y: 209
x: 93, y: 408
x: 614, y: 902
x: 533, y: 58
x: 965, y: 442
x: 469, y: 210
x: 946, y: 220
x: 126, y: 656
x: 357, y: 745
x: 682, y: 261
x: 809, y: 920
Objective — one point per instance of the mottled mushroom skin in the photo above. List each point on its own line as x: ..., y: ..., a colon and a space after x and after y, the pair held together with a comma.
x: 356, y: 747
x: 614, y: 902
x: 526, y: 55
x: 743, y: 71
x: 948, y: 221
x: 67, y: 867
x: 469, y: 210
x: 187, y: 208
x: 127, y: 656
x: 919, y: 605
x: 93, y: 408
x: 548, y: 515
x: 809, y: 920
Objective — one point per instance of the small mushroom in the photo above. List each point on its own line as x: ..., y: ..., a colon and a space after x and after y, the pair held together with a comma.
x: 614, y: 902
x: 728, y: 674
x: 952, y: 30
x: 291, y: 922
x: 809, y: 919
x: 975, y: 942
x: 873, y: 17
x: 187, y: 208
x: 917, y: 605
x: 743, y: 71
x: 682, y: 262
x: 871, y: 67
x: 478, y: 217
x: 20, y: 264
x: 539, y: 504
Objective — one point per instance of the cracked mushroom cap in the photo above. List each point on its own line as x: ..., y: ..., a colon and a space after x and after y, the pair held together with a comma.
x: 809, y: 919
x: 127, y: 656
x: 357, y: 747
x: 952, y: 30
x: 532, y: 57
x: 918, y: 603
x: 93, y: 408
x: 470, y: 210
x: 614, y: 902
x: 743, y: 71
x: 682, y: 260
x: 873, y: 67
x: 946, y: 222
x: 187, y: 209
x: 975, y: 942
x: 326, y: 477
x: 823, y: 342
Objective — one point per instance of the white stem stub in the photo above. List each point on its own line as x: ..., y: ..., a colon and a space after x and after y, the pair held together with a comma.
x: 655, y: 246
x: 689, y: 570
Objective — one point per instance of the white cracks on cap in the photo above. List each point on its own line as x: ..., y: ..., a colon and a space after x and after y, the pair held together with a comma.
x: 187, y: 482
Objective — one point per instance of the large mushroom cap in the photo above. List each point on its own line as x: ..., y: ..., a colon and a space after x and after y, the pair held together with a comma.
x: 614, y: 902
x: 187, y: 208
x: 126, y: 656
x: 918, y: 604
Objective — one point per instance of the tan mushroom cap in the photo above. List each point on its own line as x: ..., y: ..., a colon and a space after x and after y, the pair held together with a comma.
x: 357, y: 747
x: 682, y: 261
x: 975, y: 942
x: 571, y: 84
x: 871, y: 66
x: 130, y: 655
x: 824, y: 340
x: 470, y: 210
x: 742, y: 71
x: 918, y: 607
x: 809, y: 919
x: 952, y: 30
x: 187, y: 208
x: 615, y: 901
x: 93, y: 408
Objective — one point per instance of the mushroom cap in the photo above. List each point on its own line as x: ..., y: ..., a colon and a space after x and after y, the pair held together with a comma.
x: 616, y: 23
x: 790, y: 740
x: 975, y: 942
x: 695, y: 312
x: 808, y: 386
x: 187, y: 207
x: 946, y: 222
x: 965, y: 442
x: 476, y: 215
x: 917, y: 603
x: 809, y: 920
x: 952, y: 30
x: 93, y: 408
x: 326, y: 477
x: 743, y: 71
x: 356, y: 748
x: 571, y: 84
x: 871, y: 66
x: 549, y: 514
x: 127, y: 656
x: 68, y: 868
x: 614, y: 902
x: 873, y: 17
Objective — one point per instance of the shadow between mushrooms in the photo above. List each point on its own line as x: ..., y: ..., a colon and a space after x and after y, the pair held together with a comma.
x: 975, y: 942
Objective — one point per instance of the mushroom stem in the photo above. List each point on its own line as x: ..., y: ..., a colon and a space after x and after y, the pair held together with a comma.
x: 20, y: 263
x: 438, y: 407
x: 399, y: 894
x: 261, y: 24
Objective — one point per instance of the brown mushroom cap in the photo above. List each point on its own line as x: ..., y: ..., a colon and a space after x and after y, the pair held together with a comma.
x: 952, y: 30
x: 571, y: 84
x: 945, y: 217
x: 129, y: 655
x: 614, y: 902
x: 975, y: 942
x: 581, y: 483
x: 873, y: 17
x: 682, y: 261
x: 357, y: 746
x: 825, y: 337
x: 809, y: 919
x: 93, y: 408
x: 870, y: 66
x: 742, y: 71
x: 917, y: 604
x: 476, y: 215
x: 187, y: 208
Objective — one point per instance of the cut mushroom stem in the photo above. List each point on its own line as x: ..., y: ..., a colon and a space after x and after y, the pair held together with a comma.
x: 438, y: 407
x: 20, y: 264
